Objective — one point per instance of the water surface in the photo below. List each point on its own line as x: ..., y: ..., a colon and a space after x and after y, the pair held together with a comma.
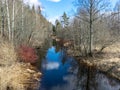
x: 61, y: 72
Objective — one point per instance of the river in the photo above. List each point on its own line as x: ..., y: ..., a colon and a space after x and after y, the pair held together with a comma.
x: 61, y: 72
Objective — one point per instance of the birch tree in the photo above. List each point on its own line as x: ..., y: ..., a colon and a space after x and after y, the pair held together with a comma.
x: 8, y: 19
x: 2, y: 17
x: 20, y: 24
x: 13, y: 17
x: 22, y: 16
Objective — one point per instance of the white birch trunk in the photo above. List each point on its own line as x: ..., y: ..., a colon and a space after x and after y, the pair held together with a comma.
x: 13, y: 20
x: 8, y: 20
x: 22, y: 17
x: 1, y: 7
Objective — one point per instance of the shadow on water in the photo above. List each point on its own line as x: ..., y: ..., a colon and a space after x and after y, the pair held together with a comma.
x: 61, y: 72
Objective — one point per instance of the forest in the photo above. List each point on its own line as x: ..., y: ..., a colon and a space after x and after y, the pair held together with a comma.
x: 21, y: 23
x: 91, y: 36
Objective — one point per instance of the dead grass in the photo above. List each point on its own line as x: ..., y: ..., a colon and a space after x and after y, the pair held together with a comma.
x: 13, y: 74
x: 107, y: 61
x: 7, y: 53
x: 19, y: 77
x: 115, y: 48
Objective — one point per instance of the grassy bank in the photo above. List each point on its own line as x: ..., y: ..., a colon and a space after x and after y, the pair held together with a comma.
x: 107, y: 61
x: 16, y: 75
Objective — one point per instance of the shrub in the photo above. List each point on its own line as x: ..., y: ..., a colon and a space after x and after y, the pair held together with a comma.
x: 15, y: 75
x: 27, y: 54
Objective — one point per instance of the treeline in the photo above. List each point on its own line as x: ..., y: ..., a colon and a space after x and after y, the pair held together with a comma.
x: 94, y: 27
x: 22, y: 24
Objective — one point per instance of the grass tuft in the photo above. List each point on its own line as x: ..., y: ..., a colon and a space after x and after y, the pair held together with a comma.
x: 8, y: 55
x: 19, y: 77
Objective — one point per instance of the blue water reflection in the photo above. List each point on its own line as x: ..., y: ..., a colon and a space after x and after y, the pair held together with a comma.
x: 56, y: 75
x: 62, y: 73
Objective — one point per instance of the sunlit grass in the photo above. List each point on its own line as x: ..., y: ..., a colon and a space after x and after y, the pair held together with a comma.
x: 8, y: 55
x: 16, y: 75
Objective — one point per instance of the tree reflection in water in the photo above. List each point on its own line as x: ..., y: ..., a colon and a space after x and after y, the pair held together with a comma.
x: 90, y: 79
x: 61, y: 72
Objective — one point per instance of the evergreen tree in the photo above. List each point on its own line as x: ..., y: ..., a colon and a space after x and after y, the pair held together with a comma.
x: 65, y: 20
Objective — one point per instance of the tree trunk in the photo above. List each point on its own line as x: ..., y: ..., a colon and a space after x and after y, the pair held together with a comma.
x: 2, y: 20
x: 13, y: 22
x: 22, y: 17
x: 91, y: 29
x: 8, y: 20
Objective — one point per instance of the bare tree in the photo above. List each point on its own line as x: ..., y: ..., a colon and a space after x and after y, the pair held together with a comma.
x: 21, y: 24
x: 90, y: 11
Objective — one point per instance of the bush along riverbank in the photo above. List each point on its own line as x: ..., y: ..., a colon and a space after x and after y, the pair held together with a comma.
x: 107, y: 61
x: 17, y: 70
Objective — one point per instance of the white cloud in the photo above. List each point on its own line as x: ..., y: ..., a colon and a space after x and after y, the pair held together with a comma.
x: 51, y: 65
x: 53, y: 19
x: 54, y: 0
x: 36, y: 3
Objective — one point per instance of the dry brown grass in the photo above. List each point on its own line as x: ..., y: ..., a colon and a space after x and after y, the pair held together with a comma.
x: 107, y: 61
x: 8, y: 55
x: 19, y: 77
x: 13, y: 74
x: 115, y: 48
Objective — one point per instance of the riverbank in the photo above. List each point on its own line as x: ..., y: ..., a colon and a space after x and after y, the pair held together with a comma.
x: 107, y: 61
x: 19, y: 76
x: 14, y: 73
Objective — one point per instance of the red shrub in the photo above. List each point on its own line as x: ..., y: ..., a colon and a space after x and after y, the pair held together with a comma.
x: 27, y: 54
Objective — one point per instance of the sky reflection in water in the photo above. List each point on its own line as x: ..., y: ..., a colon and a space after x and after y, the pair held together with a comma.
x: 59, y: 76
x: 56, y: 75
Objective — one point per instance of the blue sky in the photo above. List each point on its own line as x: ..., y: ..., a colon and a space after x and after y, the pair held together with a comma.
x: 53, y: 9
